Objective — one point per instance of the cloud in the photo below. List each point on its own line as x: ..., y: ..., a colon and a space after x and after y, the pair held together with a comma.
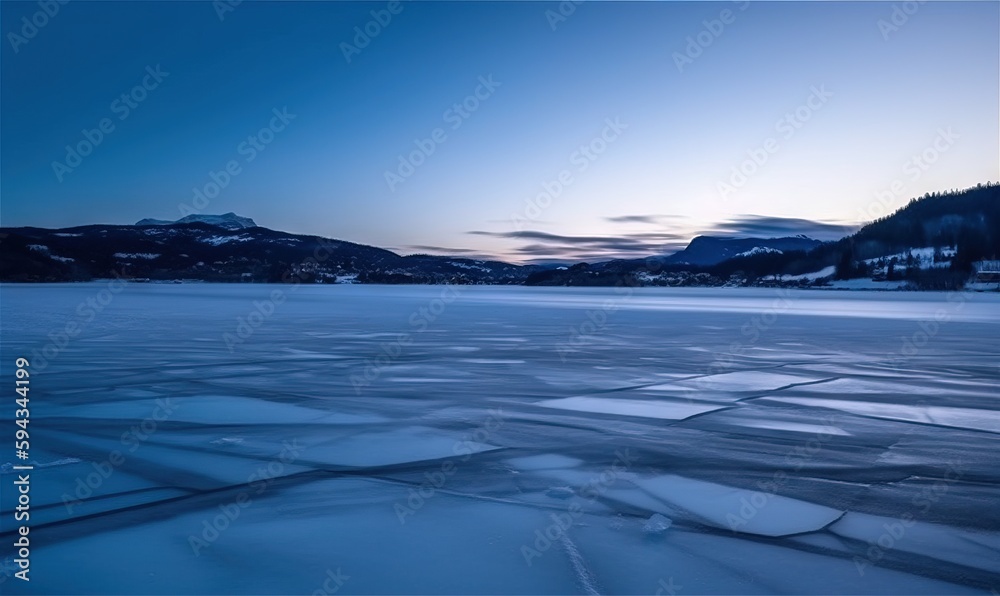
x: 762, y: 226
x: 545, y: 246
x: 644, y: 219
x: 538, y: 246
x: 444, y: 251
x: 424, y: 248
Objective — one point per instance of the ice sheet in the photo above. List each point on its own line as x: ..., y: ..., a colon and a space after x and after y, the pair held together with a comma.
x: 609, y: 428
x: 910, y: 533
x: 739, y: 381
x: 216, y: 409
x: 667, y: 410
x: 746, y: 511
x: 980, y: 419
x: 546, y: 461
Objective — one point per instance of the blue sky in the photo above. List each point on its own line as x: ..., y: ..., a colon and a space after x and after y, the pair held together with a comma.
x: 586, y: 140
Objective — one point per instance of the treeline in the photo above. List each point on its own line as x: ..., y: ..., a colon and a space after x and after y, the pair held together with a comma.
x: 967, y: 219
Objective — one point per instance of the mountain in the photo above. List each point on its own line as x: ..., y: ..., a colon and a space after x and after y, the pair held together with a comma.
x: 931, y: 243
x: 229, y: 221
x: 711, y: 250
x: 201, y: 251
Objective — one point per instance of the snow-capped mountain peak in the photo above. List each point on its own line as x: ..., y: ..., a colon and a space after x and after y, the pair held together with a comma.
x: 229, y: 221
x: 759, y: 250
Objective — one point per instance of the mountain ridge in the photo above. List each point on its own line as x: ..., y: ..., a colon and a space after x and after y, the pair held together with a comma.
x: 953, y: 230
x: 226, y: 220
x: 711, y: 250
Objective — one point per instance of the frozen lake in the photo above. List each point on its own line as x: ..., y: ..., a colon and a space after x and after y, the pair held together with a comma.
x: 393, y: 439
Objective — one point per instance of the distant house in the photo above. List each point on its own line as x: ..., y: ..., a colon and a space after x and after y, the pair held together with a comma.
x: 987, y: 270
x: 986, y: 276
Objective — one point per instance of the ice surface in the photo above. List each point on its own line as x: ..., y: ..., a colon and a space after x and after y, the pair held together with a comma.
x: 742, y: 381
x: 627, y: 561
x: 427, y: 458
x: 668, y: 410
x: 795, y: 427
x: 218, y: 409
x: 972, y: 418
x: 969, y: 548
x: 546, y: 461
x: 856, y: 386
x: 752, y: 512
x: 656, y: 524
x: 404, y: 445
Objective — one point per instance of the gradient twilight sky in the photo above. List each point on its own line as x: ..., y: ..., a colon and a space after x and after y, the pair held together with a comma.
x: 654, y: 187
